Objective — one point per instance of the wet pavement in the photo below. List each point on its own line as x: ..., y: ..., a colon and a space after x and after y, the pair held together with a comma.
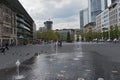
x: 73, y: 65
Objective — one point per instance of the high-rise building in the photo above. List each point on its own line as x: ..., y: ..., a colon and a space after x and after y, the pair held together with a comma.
x: 83, y: 18
x: 42, y: 29
x: 96, y: 7
x: 113, y: 1
x: 48, y: 25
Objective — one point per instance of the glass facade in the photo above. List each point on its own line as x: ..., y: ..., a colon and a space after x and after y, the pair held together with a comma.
x: 105, y: 18
x: 24, y: 30
x: 95, y: 7
x: 83, y: 18
x: 112, y: 1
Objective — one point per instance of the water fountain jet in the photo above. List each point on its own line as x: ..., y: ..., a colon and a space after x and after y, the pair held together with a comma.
x: 18, y: 77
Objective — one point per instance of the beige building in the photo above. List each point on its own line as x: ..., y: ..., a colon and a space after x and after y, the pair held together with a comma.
x: 98, y: 23
x: 107, y: 18
x: 89, y: 27
x: 118, y: 14
x: 8, y: 33
x: 113, y: 14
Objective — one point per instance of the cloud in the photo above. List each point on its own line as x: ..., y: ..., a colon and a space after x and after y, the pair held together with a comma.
x: 64, y: 13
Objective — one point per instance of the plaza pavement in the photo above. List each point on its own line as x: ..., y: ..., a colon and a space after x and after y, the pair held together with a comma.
x: 110, y: 50
x: 24, y: 53
x: 21, y: 53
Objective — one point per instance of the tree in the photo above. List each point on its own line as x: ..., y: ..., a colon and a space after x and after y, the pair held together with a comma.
x: 61, y: 36
x: 111, y: 32
x: 39, y: 35
x: 116, y: 32
x: 50, y: 35
x: 72, y: 37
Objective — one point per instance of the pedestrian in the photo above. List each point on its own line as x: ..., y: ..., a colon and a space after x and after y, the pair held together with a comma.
x: 55, y: 45
x: 60, y: 43
x: 3, y: 50
x: 6, y: 46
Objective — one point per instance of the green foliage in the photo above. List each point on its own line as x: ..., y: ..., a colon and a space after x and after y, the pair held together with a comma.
x: 39, y: 35
x: 72, y: 37
x: 48, y: 35
x: 61, y: 36
x: 114, y: 32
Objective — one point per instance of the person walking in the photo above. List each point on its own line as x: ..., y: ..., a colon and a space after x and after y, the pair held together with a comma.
x: 60, y: 43
x: 3, y: 50
x: 6, y: 46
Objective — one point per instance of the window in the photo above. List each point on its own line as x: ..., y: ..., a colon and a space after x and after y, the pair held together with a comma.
x: 7, y: 10
x: 7, y: 19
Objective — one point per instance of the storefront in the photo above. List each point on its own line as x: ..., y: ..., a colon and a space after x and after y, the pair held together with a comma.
x: 9, y: 41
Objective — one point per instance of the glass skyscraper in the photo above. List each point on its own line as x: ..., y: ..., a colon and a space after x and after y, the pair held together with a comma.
x: 95, y: 7
x: 112, y: 1
x: 83, y: 18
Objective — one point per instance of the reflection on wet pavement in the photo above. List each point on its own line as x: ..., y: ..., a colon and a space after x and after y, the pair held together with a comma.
x: 75, y: 65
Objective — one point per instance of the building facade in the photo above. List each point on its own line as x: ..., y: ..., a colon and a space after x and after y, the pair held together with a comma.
x: 98, y: 23
x: 64, y: 32
x: 16, y: 24
x: 8, y: 34
x: 24, y: 30
x: 118, y: 9
x: 113, y: 12
x: 105, y: 22
x: 96, y: 7
x: 109, y: 17
x: 42, y: 29
x: 34, y: 31
x: 89, y: 27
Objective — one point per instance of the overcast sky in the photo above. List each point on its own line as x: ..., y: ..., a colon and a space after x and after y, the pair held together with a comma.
x: 64, y: 13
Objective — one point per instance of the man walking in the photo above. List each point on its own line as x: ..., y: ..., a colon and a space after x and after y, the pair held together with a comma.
x: 3, y: 50
x: 6, y: 46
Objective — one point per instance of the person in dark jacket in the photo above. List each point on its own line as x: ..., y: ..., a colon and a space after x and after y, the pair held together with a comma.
x: 6, y: 46
x: 3, y: 50
x: 60, y: 43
